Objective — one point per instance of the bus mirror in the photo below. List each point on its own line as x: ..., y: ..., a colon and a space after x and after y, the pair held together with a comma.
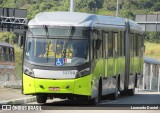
x: 98, y: 44
x: 20, y: 41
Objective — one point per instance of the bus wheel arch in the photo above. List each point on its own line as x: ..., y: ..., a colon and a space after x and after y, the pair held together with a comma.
x: 95, y: 100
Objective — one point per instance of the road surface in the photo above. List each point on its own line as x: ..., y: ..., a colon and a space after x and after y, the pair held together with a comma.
x: 141, y: 102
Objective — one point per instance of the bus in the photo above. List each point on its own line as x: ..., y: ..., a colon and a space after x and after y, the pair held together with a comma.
x: 73, y: 55
x: 7, y: 63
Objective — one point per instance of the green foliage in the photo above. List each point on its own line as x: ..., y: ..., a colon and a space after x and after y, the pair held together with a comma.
x: 156, y: 7
x: 152, y: 50
x: 8, y: 37
x: 153, y: 37
x: 18, y: 61
x: 127, y: 14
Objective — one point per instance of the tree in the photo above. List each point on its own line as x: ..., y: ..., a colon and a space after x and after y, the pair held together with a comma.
x: 127, y: 14
x: 156, y: 6
x: 146, y: 4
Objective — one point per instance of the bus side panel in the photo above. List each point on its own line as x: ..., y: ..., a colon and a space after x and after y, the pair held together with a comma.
x: 121, y: 72
x: 28, y: 84
x: 82, y: 86
x: 110, y: 67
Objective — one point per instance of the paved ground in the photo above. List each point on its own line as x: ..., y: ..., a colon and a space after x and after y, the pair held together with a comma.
x: 10, y: 95
x: 7, y: 94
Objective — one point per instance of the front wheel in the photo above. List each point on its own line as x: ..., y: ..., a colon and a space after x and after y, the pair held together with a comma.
x: 41, y: 98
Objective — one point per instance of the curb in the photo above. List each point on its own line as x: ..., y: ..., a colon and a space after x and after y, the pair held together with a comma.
x: 19, y: 101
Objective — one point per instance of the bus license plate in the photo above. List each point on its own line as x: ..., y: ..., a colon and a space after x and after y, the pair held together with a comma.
x: 54, y: 88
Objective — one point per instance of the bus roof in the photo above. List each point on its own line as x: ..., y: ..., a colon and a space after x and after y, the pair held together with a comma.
x: 5, y: 44
x: 78, y: 19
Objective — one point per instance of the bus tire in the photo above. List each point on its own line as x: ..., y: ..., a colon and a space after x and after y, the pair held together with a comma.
x: 123, y: 93
x: 114, y: 95
x: 41, y: 98
x: 131, y: 92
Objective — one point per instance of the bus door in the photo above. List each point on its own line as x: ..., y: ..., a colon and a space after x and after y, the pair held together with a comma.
x: 131, y: 72
x: 110, y: 63
x: 115, y: 53
x: 110, y: 58
x: 105, y: 53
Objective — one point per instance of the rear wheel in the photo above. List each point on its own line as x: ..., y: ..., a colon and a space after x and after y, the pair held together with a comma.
x: 114, y: 96
x: 131, y: 92
x: 41, y: 98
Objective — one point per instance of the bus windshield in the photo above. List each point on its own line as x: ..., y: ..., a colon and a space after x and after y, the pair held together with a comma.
x: 56, y: 52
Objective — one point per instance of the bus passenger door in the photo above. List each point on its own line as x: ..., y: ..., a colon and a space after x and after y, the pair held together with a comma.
x: 110, y: 65
x: 131, y: 73
x: 115, y: 53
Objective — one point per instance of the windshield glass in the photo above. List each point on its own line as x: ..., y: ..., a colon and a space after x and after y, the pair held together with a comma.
x: 58, y: 32
x: 56, y: 52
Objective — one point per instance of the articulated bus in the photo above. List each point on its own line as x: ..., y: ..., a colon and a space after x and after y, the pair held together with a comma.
x: 7, y: 62
x: 74, y: 55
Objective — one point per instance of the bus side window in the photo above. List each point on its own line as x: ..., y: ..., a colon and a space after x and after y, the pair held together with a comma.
x: 116, y: 51
x: 122, y: 45
x: 11, y: 55
x: 99, y: 52
x: 105, y: 45
x: 0, y: 52
x: 110, y: 46
x: 7, y: 54
x: 131, y: 45
x: 3, y: 54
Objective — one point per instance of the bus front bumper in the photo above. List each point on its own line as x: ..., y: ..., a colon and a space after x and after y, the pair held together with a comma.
x: 79, y: 86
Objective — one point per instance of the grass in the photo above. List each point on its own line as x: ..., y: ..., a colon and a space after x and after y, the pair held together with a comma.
x: 152, y: 50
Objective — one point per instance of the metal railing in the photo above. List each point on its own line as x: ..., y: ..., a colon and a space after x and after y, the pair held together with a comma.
x: 151, y: 74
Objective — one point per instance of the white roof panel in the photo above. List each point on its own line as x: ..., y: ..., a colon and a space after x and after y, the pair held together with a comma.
x: 79, y: 19
x: 74, y: 19
x: 63, y: 19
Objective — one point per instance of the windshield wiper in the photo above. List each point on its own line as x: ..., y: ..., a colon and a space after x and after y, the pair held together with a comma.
x: 72, y: 30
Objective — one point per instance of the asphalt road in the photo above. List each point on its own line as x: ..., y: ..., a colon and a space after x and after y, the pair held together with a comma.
x: 141, y: 102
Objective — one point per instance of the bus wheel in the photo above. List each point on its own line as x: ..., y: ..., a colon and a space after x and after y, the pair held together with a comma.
x: 41, y: 98
x: 114, y: 96
x: 131, y: 92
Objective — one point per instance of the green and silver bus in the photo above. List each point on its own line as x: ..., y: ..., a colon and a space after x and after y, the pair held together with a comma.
x: 76, y: 55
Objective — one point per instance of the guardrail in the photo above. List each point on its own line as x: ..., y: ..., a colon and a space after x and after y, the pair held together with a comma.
x: 151, y: 74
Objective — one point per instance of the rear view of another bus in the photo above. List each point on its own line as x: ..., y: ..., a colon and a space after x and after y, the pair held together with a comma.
x: 7, y: 63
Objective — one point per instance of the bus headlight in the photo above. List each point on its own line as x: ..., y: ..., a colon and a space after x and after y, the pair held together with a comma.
x: 83, y: 73
x: 29, y: 72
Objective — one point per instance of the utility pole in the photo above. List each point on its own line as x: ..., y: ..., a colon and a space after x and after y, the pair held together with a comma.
x: 117, y: 9
x: 72, y: 2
